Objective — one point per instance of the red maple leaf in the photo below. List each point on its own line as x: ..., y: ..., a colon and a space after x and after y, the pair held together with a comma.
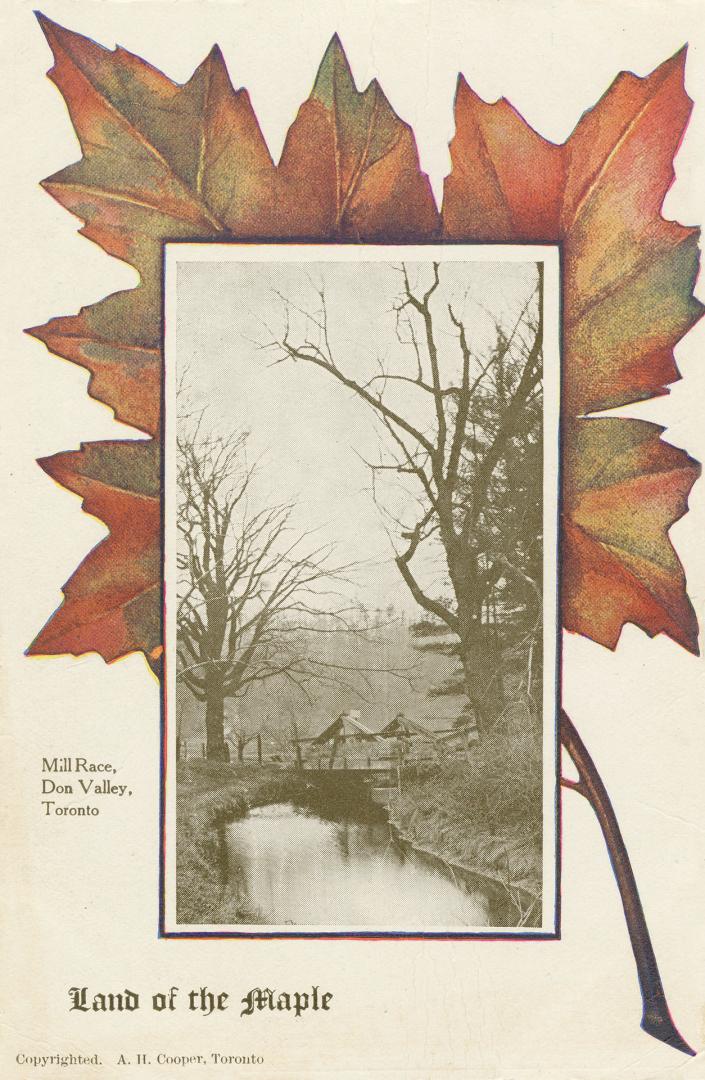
x: 189, y: 162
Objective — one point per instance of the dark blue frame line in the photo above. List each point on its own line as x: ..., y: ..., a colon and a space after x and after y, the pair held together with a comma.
x: 364, y: 935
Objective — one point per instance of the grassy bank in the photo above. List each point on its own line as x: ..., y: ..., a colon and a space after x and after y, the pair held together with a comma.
x: 208, y: 795
x: 483, y: 815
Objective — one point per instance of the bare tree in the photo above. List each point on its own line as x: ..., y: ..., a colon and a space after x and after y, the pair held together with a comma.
x: 240, y: 731
x: 288, y: 736
x: 454, y: 434
x: 248, y: 583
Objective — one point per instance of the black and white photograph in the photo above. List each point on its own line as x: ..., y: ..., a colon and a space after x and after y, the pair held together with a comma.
x: 361, y: 588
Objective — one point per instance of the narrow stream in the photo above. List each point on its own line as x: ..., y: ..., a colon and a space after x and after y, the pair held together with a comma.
x: 289, y: 866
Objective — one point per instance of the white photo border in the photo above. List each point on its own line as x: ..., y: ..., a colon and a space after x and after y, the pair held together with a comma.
x: 281, y: 252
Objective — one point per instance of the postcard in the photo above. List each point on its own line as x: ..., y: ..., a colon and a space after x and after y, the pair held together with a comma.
x: 352, y: 683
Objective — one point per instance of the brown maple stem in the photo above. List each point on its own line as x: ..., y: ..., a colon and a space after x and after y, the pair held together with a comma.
x: 572, y: 785
x: 656, y: 1018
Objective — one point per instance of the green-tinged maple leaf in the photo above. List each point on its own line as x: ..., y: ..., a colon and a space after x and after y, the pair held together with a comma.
x: 160, y: 161
x: 627, y: 290
x: 119, y: 341
x: 350, y: 168
x: 624, y: 487
x: 628, y: 273
x: 168, y: 162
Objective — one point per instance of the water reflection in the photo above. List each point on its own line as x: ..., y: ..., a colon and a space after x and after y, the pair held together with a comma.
x: 288, y: 866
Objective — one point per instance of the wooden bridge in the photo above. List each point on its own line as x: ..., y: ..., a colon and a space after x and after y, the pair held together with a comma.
x: 382, y: 776
x: 347, y: 746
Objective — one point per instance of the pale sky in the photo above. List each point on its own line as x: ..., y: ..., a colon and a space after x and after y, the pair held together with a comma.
x: 311, y: 432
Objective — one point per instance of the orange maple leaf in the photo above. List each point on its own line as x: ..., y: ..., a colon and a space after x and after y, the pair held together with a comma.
x: 113, y: 601
x: 628, y: 276
x: 162, y: 161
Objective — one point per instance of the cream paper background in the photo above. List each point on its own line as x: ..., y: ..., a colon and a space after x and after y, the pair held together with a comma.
x: 79, y: 896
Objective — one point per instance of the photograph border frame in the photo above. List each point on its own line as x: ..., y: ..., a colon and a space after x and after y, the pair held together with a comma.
x: 495, y: 934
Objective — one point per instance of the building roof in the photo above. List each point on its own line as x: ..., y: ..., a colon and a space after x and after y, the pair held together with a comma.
x: 404, y: 725
x: 346, y: 725
x: 350, y: 725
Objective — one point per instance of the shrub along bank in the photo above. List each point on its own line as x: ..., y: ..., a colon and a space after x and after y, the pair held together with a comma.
x: 484, y: 815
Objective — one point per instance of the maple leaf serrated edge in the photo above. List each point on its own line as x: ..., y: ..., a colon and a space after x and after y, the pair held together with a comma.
x: 547, y: 220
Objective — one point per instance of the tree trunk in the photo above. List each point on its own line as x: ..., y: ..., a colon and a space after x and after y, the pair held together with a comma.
x: 472, y: 655
x: 478, y: 653
x: 480, y: 662
x: 473, y: 689
x: 215, y: 722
